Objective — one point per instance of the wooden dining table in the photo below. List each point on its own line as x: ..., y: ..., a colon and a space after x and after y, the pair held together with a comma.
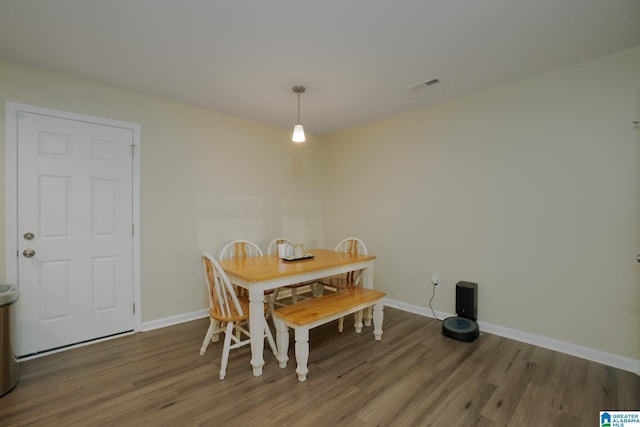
x: 262, y: 273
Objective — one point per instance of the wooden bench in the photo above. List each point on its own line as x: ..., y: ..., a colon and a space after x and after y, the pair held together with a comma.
x: 315, y: 312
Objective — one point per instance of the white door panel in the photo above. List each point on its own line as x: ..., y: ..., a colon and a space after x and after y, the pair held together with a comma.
x: 75, y: 196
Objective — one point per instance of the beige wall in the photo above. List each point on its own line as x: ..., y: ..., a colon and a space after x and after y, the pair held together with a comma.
x: 206, y: 178
x: 531, y: 189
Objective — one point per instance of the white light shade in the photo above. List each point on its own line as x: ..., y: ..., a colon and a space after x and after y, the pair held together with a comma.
x: 298, y: 134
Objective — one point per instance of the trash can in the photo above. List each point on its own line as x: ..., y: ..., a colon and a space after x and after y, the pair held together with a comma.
x: 9, y: 367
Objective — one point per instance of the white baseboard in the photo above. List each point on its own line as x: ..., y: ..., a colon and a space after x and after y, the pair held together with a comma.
x: 174, y: 320
x: 187, y: 317
x: 609, y: 359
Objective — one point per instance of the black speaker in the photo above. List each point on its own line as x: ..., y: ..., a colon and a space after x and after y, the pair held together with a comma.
x: 467, y: 300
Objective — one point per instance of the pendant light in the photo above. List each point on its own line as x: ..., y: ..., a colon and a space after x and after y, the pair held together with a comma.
x: 298, y: 130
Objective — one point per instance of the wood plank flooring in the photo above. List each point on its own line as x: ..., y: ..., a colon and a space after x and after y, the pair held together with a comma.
x: 413, y: 377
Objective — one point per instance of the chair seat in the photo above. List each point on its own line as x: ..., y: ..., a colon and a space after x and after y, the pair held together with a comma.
x: 235, y: 315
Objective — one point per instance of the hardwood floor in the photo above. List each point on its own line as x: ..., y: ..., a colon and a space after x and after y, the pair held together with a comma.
x: 413, y: 377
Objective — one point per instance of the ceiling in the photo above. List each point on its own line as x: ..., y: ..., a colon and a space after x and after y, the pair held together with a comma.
x: 361, y: 60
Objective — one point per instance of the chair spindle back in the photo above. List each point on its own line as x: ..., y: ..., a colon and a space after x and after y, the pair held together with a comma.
x: 354, y: 246
x: 222, y: 296
x: 240, y: 249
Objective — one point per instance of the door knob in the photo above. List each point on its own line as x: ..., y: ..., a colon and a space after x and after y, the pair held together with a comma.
x: 29, y: 236
x: 28, y: 253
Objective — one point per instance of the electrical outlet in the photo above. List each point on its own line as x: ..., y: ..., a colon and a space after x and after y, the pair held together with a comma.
x: 435, y: 279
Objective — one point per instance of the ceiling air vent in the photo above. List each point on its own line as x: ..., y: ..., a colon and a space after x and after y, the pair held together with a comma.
x: 421, y: 85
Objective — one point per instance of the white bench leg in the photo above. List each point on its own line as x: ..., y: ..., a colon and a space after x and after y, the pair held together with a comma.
x: 378, y: 316
x: 282, y: 341
x: 302, y: 352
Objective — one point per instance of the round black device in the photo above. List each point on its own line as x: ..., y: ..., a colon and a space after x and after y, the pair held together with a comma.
x: 460, y: 328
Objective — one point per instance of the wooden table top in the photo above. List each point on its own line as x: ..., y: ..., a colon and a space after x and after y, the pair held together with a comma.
x: 269, y: 267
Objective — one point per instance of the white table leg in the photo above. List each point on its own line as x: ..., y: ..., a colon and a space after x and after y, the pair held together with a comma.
x: 367, y: 282
x: 256, y: 327
x: 378, y: 317
x: 282, y: 341
x: 302, y: 352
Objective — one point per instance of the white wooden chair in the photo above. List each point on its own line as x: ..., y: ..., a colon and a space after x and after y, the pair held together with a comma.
x: 228, y: 313
x: 245, y: 249
x: 273, y: 249
x: 347, y: 280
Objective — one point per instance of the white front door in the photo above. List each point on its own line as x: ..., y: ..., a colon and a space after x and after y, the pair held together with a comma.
x: 74, y: 222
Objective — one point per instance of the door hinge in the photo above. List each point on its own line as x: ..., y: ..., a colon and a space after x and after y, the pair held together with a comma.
x: 133, y: 231
x: 133, y: 150
x: 134, y: 308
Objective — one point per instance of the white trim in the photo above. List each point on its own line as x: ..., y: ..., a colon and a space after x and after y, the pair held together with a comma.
x: 11, y: 192
x: 416, y: 309
x: 174, y: 320
x: 11, y: 174
x: 200, y: 314
x: 609, y: 359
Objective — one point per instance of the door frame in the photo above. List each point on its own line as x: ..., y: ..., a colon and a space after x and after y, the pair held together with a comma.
x: 11, y: 195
